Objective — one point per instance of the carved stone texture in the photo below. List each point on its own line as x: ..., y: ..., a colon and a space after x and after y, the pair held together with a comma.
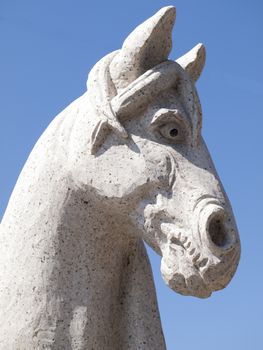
x: 123, y: 164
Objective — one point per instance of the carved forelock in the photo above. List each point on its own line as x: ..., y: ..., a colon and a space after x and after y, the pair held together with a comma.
x: 127, y: 80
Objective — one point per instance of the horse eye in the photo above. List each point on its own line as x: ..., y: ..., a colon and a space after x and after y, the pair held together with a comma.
x: 170, y: 131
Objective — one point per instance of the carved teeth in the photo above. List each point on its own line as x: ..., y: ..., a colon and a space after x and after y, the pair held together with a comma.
x: 203, y: 262
x: 177, y: 238
x: 195, y: 258
x: 184, y: 240
x: 188, y: 245
x: 192, y: 251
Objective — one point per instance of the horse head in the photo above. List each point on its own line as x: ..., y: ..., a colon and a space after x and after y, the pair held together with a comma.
x: 149, y: 163
x: 125, y: 162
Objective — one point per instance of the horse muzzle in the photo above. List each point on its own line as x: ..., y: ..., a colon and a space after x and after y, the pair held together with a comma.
x: 204, y: 260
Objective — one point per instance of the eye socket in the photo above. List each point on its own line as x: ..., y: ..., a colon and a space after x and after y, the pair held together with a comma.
x: 171, y: 131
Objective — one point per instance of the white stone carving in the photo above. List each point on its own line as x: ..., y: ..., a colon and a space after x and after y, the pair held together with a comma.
x: 124, y: 163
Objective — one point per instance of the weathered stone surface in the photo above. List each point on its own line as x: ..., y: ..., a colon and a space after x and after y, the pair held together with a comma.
x: 124, y: 163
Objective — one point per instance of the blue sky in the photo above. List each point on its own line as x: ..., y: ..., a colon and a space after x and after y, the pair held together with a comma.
x: 47, y: 49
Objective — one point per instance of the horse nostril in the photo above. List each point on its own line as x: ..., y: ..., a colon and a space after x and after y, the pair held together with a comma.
x: 217, y: 231
x: 217, y: 228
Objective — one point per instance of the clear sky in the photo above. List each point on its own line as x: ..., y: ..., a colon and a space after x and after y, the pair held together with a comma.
x: 47, y: 49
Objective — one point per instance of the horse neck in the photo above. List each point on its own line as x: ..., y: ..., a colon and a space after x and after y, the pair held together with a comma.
x: 63, y: 245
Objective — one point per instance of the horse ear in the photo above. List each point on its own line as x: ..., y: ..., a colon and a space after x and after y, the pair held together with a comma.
x: 193, y: 61
x: 148, y: 45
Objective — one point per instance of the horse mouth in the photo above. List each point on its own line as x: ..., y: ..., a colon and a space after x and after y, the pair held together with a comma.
x: 186, y: 280
x: 180, y: 267
x: 187, y: 248
x: 181, y: 264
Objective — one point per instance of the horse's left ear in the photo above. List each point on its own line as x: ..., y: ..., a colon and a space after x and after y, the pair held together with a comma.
x: 147, y: 46
x: 193, y: 61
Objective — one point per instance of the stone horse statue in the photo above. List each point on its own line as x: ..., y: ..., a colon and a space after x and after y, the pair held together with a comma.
x: 123, y: 164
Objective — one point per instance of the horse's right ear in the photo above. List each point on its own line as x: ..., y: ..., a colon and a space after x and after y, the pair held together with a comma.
x: 147, y: 46
x: 193, y: 61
